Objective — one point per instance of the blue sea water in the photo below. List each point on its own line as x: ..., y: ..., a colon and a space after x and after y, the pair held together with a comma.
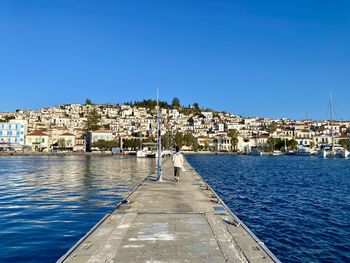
x: 298, y: 206
x: 48, y: 203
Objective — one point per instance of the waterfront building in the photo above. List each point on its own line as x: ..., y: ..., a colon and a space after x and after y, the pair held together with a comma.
x: 66, y: 141
x: 38, y: 140
x: 245, y: 144
x: 126, y: 120
x: 13, y: 132
x: 79, y: 145
x: 261, y: 140
x: 222, y: 143
x: 304, y: 141
x: 322, y: 139
x: 205, y: 142
x: 94, y: 136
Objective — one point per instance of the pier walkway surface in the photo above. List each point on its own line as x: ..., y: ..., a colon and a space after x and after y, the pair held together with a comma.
x: 170, y: 222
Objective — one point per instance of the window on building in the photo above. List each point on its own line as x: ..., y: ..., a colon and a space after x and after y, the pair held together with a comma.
x: 21, y: 140
x: 42, y: 140
x: 0, y: 133
x: 22, y: 126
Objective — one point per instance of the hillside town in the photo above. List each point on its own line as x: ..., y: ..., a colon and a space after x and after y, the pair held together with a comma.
x: 131, y: 126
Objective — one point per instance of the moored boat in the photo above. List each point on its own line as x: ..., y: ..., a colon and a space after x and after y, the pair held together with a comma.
x: 334, y: 151
x: 257, y: 152
x: 277, y: 153
x: 345, y: 153
x: 303, y: 151
x: 142, y: 153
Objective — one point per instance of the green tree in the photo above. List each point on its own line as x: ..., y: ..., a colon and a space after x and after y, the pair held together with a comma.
x: 104, y: 145
x: 149, y: 104
x: 272, y: 144
x: 189, y: 139
x: 272, y: 127
x: 61, y: 144
x: 190, y: 121
x: 7, y: 118
x: 312, y: 144
x: 93, y: 120
x: 100, y: 144
x: 111, y: 144
x: 196, y: 105
x: 345, y: 143
x: 167, y: 140
x: 175, y: 102
x: 88, y: 102
x: 233, y: 134
x: 292, y: 144
x: 132, y: 144
x: 107, y: 126
x: 179, y: 139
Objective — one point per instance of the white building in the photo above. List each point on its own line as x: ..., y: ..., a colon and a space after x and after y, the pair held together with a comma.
x: 220, y: 127
x: 222, y: 143
x: 38, y: 141
x: 174, y: 113
x: 13, y: 131
x: 101, y: 135
x: 94, y: 136
x: 207, y: 114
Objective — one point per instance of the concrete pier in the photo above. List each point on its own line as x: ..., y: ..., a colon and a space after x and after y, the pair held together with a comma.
x: 170, y: 222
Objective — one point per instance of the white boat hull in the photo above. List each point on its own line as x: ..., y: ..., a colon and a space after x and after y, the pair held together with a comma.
x: 339, y: 153
x: 344, y: 154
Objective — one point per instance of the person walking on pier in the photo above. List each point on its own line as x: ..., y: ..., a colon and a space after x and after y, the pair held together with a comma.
x: 178, y: 161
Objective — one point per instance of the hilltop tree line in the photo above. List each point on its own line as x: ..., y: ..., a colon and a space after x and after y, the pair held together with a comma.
x: 151, y: 104
x: 93, y: 118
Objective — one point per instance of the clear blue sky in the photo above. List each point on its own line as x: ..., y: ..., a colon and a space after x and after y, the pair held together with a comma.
x: 273, y: 58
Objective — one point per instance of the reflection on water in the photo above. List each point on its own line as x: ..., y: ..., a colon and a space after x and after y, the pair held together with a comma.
x: 48, y: 203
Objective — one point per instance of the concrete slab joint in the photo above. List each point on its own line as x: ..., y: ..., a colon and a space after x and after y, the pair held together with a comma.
x: 170, y: 222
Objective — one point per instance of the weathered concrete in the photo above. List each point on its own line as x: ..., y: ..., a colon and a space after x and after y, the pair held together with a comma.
x: 170, y: 222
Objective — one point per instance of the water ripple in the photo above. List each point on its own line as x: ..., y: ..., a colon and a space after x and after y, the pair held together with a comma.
x: 49, y: 203
x: 298, y: 206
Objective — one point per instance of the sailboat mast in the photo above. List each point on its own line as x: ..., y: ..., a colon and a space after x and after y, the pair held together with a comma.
x: 331, y: 115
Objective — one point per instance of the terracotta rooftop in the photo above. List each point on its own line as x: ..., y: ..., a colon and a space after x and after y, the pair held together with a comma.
x: 37, y: 133
x: 343, y: 136
x: 67, y: 134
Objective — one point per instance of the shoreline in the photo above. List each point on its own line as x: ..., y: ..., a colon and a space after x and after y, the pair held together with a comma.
x: 107, y: 153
